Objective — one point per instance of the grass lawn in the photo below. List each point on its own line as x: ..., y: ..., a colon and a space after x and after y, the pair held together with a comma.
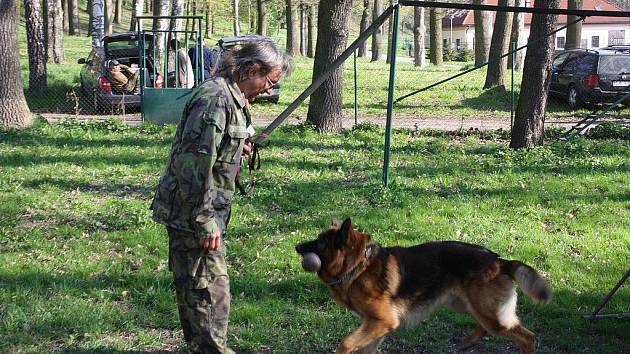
x: 83, y: 267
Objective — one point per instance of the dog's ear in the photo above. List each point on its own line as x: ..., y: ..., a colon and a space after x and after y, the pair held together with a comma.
x: 344, y: 232
x: 334, y: 223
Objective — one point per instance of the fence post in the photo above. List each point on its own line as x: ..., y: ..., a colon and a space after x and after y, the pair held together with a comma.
x: 390, y: 94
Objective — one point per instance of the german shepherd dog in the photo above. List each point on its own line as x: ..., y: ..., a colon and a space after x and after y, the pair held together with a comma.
x: 393, y: 287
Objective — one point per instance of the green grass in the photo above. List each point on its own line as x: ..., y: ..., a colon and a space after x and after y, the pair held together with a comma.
x: 83, y: 267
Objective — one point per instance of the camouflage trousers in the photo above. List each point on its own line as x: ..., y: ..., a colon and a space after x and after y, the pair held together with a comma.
x: 202, y: 290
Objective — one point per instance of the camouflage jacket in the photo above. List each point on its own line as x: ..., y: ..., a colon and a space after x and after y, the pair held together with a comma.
x: 195, y: 192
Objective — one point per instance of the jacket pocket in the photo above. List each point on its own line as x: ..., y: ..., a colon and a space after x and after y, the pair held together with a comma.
x: 232, y: 144
x: 163, y: 200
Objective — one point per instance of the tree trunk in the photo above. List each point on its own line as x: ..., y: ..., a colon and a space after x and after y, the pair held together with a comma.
x: 518, y: 28
x: 419, y: 29
x: 293, y: 44
x: 177, y: 9
x: 252, y: 18
x: 98, y: 22
x: 37, y: 80
x: 390, y: 30
x: 137, y: 10
x: 377, y: 37
x: 64, y: 8
x: 483, y: 26
x: 325, y: 106
x: 57, y: 33
x: 237, y: 18
x: 495, y: 76
x: 88, y: 9
x: 73, y: 18
x: 303, y: 30
x: 310, y: 52
x: 118, y: 12
x: 160, y: 8
x: 529, y: 121
x: 262, y: 17
x: 435, y: 40
x: 574, y: 32
x: 109, y: 17
x: 14, y: 112
x: 208, y: 32
x: 365, y: 23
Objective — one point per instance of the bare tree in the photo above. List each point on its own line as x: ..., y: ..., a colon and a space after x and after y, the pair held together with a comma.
x: 236, y: 17
x: 390, y: 29
x: 365, y: 23
x: 54, y: 31
x: 137, y: 10
x: 160, y: 8
x: 98, y: 21
x: 293, y: 39
x: 325, y: 106
x: 118, y: 12
x: 262, y: 17
x: 37, y: 79
x: 73, y: 17
x: 377, y: 37
x: 109, y: 17
x: 177, y: 9
x: 303, y: 29
x: 483, y: 24
x: 310, y: 52
x: 574, y: 32
x: 14, y: 112
x: 435, y: 40
x: 518, y: 37
x: 529, y: 121
x: 495, y: 76
x: 419, y: 29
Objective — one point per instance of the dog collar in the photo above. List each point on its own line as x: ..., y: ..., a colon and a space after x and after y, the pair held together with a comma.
x: 370, y: 250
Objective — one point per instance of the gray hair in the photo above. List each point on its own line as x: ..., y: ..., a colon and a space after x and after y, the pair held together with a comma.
x: 264, y: 53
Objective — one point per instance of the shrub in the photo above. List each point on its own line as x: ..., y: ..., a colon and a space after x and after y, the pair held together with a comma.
x: 610, y: 130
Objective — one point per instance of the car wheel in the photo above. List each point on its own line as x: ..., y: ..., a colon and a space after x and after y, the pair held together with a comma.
x: 573, y: 99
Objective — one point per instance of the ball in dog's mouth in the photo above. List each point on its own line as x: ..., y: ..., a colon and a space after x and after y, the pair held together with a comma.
x: 311, y: 262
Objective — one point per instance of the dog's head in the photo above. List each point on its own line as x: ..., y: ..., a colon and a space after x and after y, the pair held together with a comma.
x: 339, y: 248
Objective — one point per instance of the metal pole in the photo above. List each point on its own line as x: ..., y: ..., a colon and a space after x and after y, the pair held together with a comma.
x: 513, y: 65
x: 356, y: 104
x: 390, y: 95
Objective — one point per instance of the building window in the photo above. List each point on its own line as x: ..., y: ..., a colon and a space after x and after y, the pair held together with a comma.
x: 595, y: 41
x: 458, y: 43
x: 560, y: 42
x: 616, y: 37
x: 445, y: 42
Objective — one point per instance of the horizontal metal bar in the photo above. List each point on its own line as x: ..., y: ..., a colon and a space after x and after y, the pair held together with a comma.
x: 532, y: 10
x: 168, y: 31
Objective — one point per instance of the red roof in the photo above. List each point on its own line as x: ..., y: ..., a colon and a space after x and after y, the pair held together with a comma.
x: 466, y: 17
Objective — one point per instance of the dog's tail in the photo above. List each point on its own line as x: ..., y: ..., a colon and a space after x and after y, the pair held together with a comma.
x: 532, y: 283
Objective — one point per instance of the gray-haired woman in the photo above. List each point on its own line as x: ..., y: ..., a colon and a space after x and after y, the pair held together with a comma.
x: 194, y: 196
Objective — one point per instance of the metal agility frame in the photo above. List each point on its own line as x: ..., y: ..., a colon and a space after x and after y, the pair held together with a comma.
x: 395, y: 9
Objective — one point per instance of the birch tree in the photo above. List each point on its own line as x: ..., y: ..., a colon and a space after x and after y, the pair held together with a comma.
x: 37, y: 78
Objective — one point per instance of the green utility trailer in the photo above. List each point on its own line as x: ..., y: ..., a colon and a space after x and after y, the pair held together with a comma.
x: 164, y: 102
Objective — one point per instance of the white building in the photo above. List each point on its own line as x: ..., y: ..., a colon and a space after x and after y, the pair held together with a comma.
x: 458, y: 27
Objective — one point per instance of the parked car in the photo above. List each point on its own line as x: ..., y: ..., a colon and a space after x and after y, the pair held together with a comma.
x: 94, y: 76
x: 584, y: 76
x: 225, y: 44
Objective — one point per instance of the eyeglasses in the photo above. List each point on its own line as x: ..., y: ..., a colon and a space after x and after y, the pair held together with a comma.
x: 270, y: 83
